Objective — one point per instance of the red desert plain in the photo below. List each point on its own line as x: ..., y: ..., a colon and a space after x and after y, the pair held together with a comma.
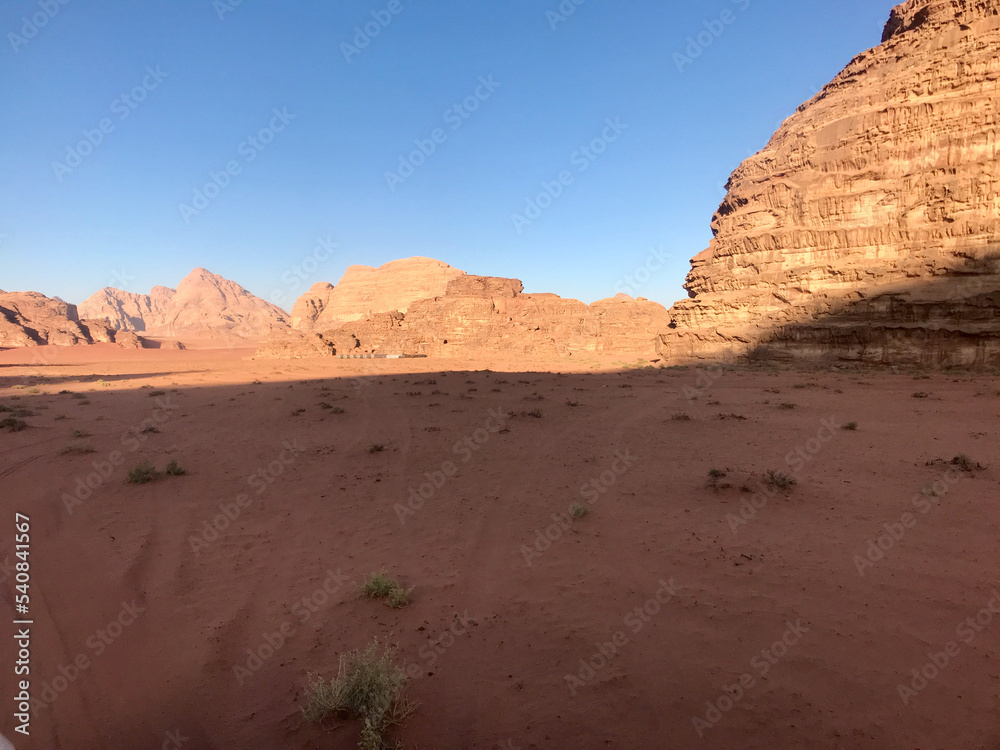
x: 767, y: 558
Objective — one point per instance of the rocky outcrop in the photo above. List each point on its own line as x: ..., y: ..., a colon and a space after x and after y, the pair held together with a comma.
x: 868, y: 226
x: 32, y: 319
x: 363, y: 291
x: 477, y: 315
x: 203, y: 305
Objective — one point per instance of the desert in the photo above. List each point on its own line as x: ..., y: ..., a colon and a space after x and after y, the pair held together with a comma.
x: 461, y: 483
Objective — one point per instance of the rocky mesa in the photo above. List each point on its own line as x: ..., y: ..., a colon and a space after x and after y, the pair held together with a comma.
x: 203, y: 305
x: 422, y: 306
x: 868, y: 228
x: 32, y: 319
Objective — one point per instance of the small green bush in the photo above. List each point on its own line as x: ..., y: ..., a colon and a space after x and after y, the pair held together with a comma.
x: 780, y: 480
x: 578, y: 511
x: 368, y: 688
x: 851, y: 426
x: 142, y: 473
x: 175, y: 470
x: 13, y: 424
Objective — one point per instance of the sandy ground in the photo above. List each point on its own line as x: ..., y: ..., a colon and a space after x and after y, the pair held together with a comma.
x: 676, y: 614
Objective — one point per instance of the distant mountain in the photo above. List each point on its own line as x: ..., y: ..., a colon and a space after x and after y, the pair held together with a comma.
x: 203, y: 305
x: 32, y: 319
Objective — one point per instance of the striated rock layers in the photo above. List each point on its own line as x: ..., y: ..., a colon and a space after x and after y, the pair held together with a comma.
x: 203, y: 305
x: 468, y: 314
x: 869, y: 226
x: 364, y: 291
x: 32, y: 319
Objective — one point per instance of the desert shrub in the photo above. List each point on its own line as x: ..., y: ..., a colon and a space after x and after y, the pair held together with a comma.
x: 681, y: 416
x: 368, y: 688
x: 964, y: 463
x: 175, y: 470
x: 77, y: 449
x: 376, y: 448
x: 534, y: 413
x: 851, y: 426
x: 578, y: 511
x: 80, y: 433
x: 780, y: 480
x: 378, y: 586
x: 714, y: 475
x: 381, y: 586
x: 142, y: 473
x: 13, y: 424
x: 157, y: 393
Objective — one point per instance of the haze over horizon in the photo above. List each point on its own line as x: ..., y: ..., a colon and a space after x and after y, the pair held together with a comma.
x: 341, y: 112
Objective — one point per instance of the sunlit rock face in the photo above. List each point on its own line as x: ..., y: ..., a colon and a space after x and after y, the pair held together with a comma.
x: 204, y: 304
x: 868, y: 228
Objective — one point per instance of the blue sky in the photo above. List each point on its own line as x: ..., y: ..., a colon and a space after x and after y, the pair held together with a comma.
x: 312, y: 131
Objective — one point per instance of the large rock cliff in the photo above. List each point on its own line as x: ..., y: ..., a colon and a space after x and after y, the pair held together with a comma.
x: 464, y: 315
x: 869, y: 226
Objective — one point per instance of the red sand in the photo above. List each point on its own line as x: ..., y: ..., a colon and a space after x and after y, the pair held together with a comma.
x: 117, y: 586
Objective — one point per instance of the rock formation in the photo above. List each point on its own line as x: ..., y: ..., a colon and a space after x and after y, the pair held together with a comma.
x: 464, y: 315
x: 364, y: 291
x: 32, y: 319
x: 869, y: 226
x: 203, y: 305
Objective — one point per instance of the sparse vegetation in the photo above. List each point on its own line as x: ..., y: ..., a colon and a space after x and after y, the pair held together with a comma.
x: 80, y: 433
x: 534, y: 413
x: 13, y: 424
x: 142, y: 473
x: 964, y: 463
x: 376, y: 448
x: 578, y: 511
x: 77, y: 449
x: 381, y: 586
x: 572, y: 402
x: 157, y: 393
x: 779, y: 480
x: 714, y: 475
x: 175, y: 470
x: 59, y: 417
x: 851, y: 426
x: 921, y: 394
x: 368, y: 688
x: 680, y: 416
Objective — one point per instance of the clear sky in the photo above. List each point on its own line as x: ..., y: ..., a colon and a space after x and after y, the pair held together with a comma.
x: 318, y: 123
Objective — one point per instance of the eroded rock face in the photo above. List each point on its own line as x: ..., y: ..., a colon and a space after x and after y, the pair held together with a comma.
x: 868, y: 226
x: 203, y: 305
x: 366, y: 291
x: 32, y: 319
x: 478, y: 314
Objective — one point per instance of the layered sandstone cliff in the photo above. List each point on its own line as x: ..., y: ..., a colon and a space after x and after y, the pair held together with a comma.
x: 869, y: 225
x: 365, y: 291
x: 203, y: 305
x: 465, y: 315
